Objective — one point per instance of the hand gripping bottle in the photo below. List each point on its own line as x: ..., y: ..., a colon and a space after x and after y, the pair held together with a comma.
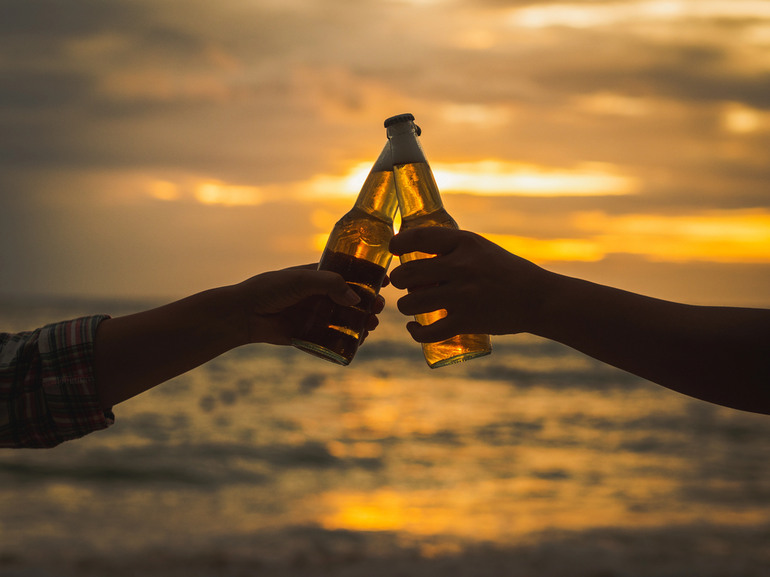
x: 358, y: 250
x: 420, y: 205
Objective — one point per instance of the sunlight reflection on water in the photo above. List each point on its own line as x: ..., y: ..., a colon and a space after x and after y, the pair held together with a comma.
x: 504, y: 450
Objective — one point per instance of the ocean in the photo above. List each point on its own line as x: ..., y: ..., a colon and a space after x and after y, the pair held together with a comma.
x: 534, y: 461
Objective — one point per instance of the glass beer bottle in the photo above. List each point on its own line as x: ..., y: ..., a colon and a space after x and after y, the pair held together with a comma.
x: 358, y: 250
x: 420, y: 205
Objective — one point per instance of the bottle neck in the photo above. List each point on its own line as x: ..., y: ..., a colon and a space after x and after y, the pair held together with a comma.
x: 378, y: 195
x: 416, y: 189
x: 415, y: 185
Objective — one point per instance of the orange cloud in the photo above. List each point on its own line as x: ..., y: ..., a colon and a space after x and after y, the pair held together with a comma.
x: 482, y: 178
x: 719, y: 236
x: 501, y: 178
x: 213, y: 192
x: 544, y: 250
x: 578, y: 15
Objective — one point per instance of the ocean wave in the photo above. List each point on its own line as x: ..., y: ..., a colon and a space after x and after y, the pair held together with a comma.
x: 200, y: 464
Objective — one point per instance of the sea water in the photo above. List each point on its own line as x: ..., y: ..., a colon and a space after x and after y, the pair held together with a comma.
x: 536, y: 460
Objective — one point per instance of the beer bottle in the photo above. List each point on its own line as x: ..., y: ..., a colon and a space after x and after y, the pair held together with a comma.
x: 420, y: 205
x: 358, y: 250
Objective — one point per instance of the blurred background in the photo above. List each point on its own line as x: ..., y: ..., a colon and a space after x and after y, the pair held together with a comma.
x: 151, y: 149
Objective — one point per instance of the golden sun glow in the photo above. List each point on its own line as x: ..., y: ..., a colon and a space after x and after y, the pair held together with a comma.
x: 545, y: 250
x: 417, y: 512
x: 483, y: 178
x: 576, y: 15
x: 718, y: 236
x: 213, y: 192
x: 726, y: 236
x: 347, y: 185
x: 489, y: 177
x: 469, y: 510
x: 494, y: 177
x: 205, y: 191
x: 318, y: 242
x: 164, y: 190
x: 611, y: 104
x: 740, y: 119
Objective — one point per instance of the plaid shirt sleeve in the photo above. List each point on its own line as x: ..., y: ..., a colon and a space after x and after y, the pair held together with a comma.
x: 47, y: 386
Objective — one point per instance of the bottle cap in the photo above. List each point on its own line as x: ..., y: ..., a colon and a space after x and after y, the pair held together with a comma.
x: 399, y: 118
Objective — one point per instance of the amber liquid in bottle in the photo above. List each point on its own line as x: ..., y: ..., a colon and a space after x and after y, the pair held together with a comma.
x: 358, y: 250
x: 421, y: 206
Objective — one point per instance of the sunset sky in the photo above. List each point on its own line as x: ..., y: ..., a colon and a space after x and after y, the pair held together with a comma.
x: 153, y: 148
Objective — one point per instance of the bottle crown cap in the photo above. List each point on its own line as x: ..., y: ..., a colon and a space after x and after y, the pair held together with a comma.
x: 398, y: 119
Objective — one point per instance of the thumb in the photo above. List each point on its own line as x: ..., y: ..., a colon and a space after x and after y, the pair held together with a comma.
x: 331, y: 284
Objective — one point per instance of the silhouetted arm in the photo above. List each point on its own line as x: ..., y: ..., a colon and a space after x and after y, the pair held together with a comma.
x: 136, y: 352
x: 718, y: 354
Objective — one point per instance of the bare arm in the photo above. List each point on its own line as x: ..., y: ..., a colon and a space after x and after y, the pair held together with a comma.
x: 718, y: 354
x: 136, y: 352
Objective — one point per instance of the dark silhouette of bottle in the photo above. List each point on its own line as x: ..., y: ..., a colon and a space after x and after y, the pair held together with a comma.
x: 420, y: 205
x: 358, y: 250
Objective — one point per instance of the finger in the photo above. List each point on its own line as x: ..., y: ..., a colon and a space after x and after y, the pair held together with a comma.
x: 422, y: 301
x: 441, y: 330
x: 315, y: 282
x: 415, y: 273
x: 372, y: 323
x: 430, y: 239
x: 378, y: 305
x: 348, y: 296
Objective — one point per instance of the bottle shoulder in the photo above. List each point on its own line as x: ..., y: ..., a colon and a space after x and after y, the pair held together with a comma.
x: 359, y: 223
x: 358, y: 213
x: 438, y: 217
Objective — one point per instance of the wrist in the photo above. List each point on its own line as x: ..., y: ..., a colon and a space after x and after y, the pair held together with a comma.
x: 232, y: 315
x: 217, y: 316
x: 549, y: 295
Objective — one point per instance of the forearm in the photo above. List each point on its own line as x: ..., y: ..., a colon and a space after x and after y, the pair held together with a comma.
x: 718, y: 354
x: 136, y: 352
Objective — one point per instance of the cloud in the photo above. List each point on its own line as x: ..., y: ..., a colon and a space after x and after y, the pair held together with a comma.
x: 493, y: 177
x: 245, y: 90
x: 726, y: 236
x: 55, y: 20
x: 679, y: 50
x: 147, y: 84
x: 34, y: 90
x: 612, y: 13
x: 151, y: 104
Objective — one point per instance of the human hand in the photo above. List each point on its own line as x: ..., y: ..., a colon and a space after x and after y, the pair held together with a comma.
x: 277, y: 303
x: 484, y: 288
